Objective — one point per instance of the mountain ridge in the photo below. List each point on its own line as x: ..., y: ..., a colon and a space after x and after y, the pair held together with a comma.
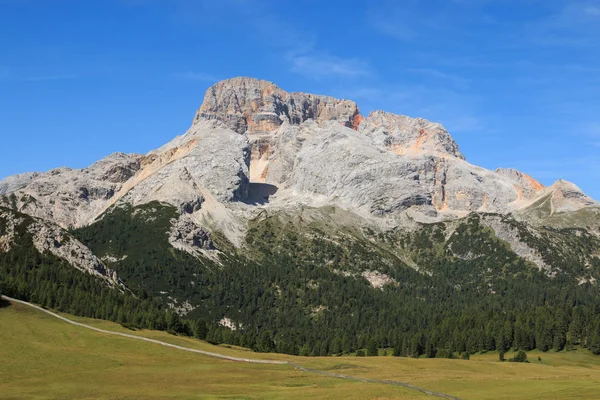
x: 390, y: 163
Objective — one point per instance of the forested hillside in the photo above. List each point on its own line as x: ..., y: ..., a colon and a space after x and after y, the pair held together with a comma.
x: 300, y: 288
x: 49, y: 281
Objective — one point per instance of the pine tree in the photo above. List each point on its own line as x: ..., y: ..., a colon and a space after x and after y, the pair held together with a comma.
x: 372, y: 350
x: 200, y: 329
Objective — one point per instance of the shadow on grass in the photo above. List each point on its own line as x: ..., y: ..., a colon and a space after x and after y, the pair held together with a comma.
x: 4, y: 303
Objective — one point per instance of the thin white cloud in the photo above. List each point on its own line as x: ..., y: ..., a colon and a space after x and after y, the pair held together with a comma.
x: 576, y: 24
x: 48, y: 78
x: 196, y: 76
x: 392, y: 27
x: 440, y: 76
x: 322, y: 65
x: 592, y: 10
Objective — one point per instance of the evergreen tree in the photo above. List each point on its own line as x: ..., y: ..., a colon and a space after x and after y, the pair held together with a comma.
x: 372, y: 349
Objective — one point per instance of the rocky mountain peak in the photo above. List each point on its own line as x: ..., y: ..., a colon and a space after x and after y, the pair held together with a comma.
x: 525, y: 185
x: 409, y: 136
x: 566, y: 196
x: 253, y: 105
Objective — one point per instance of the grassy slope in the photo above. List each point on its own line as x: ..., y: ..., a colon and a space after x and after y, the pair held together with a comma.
x: 45, y: 358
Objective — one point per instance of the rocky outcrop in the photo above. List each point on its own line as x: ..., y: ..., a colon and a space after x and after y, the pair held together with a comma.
x: 208, y: 156
x: 48, y: 237
x: 378, y: 280
x: 71, y: 197
x: 187, y: 236
x: 409, y: 136
x: 525, y: 185
x: 566, y: 196
x: 8, y: 222
x: 53, y: 239
x: 251, y: 105
x: 16, y: 182
x: 511, y: 235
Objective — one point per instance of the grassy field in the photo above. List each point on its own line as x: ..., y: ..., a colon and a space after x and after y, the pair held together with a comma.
x: 44, y: 358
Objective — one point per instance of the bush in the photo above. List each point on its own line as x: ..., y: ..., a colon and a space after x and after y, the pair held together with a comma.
x: 520, y: 357
x: 360, y: 353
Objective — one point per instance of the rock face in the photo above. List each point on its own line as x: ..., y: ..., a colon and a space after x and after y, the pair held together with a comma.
x: 208, y: 157
x: 562, y: 196
x: 16, y: 182
x: 409, y: 136
x: 187, y: 236
x: 251, y: 105
x: 254, y: 148
x: 526, y: 186
x: 333, y: 164
x: 72, y: 197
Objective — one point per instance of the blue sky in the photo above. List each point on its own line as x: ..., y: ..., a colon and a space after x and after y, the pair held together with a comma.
x: 517, y: 83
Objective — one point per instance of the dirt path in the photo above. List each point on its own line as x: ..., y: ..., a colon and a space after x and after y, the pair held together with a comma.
x: 237, y: 359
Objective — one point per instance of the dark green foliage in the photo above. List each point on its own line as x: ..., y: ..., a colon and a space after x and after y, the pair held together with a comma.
x: 360, y: 353
x: 520, y: 357
x: 594, y: 341
x: 372, y: 350
x: 296, y: 288
x: 138, y: 238
x: 47, y: 280
x: 287, y: 290
x: 200, y: 329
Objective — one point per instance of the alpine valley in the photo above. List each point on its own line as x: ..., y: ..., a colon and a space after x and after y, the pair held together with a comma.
x: 290, y: 222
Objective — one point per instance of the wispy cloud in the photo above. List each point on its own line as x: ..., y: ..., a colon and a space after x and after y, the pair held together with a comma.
x: 298, y: 47
x: 592, y: 10
x: 196, y: 76
x: 41, y: 78
x: 575, y: 24
x: 412, y: 20
x: 440, y: 76
x: 301, y: 51
x: 318, y: 66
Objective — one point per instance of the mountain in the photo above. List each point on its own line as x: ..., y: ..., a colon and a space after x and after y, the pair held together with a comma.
x: 250, y: 139
x: 290, y: 211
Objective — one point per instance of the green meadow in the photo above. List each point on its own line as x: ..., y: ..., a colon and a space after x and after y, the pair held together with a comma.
x: 42, y: 357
